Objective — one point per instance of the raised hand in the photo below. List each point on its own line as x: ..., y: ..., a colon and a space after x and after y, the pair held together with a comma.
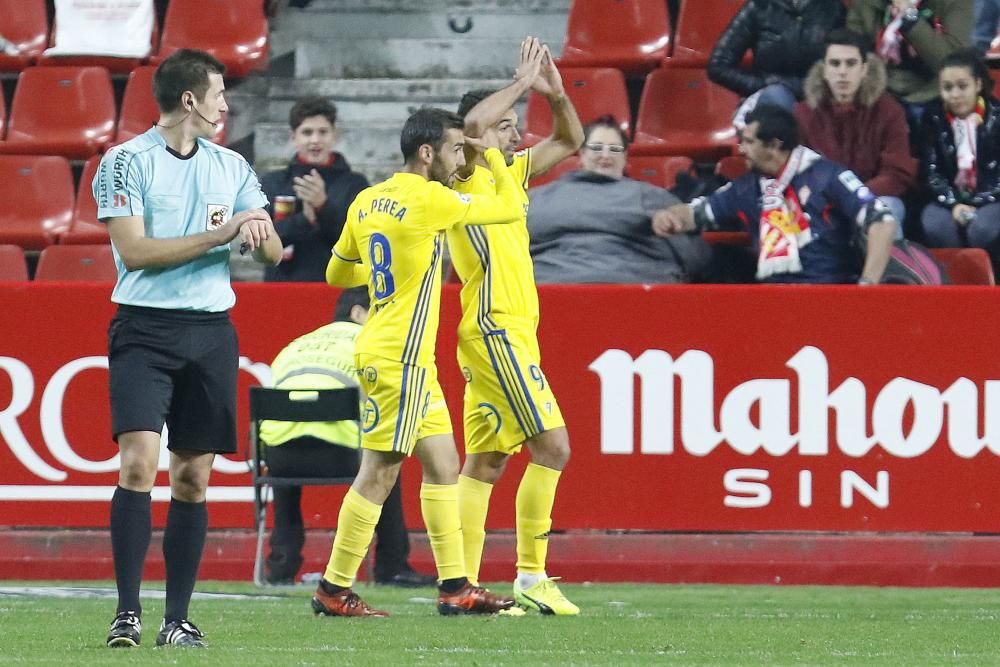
x: 549, y: 81
x: 530, y: 62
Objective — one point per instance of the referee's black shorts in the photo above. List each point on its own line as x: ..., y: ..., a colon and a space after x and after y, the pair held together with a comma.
x: 175, y: 367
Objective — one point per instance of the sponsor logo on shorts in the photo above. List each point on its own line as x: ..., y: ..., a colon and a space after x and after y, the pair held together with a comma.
x: 370, y: 416
x: 217, y: 216
x: 490, y: 412
x: 371, y: 375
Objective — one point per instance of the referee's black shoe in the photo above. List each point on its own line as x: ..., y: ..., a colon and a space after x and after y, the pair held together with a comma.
x: 180, y: 633
x: 126, y: 630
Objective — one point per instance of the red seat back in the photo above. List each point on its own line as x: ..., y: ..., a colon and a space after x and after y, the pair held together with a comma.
x: 660, y: 171
x: 77, y: 262
x: 13, y: 265
x: 732, y: 167
x: 681, y: 112
x: 234, y: 31
x: 593, y: 91
x: 25, y: 23
x: 139, y: 110
x: 700, y: 23
x: 632, y: 35
x: 85, y: 229
x: 572, y: 163
x: 37, y: 192
x: 966, y: 266
x: 67, y: 111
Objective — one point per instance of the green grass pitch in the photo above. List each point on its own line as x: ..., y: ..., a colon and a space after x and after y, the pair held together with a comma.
x: 619, y: 625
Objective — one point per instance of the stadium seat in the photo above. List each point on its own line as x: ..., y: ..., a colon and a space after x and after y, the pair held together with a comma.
x: 234, y: 31
x: 594, y: 91
x: 632, y: 35
x: 68, y: 111
x: 682, y: 113
x: 112, y: 64
x: 699, y: 25
x: 13, y: 265
x: 731, y: 167
x: 37, y: 192
x: 727, y: 238
x: 660, y: 171
x: 3, y: 116
x: 94, y: 263
x: 25, y: 24
x: 85, y: 229
x: 139, y: 110
x: 966, y: 266
x: 572, y: 163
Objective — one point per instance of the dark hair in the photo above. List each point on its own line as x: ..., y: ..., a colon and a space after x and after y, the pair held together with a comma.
x: 472, y: 98
x: 845, y: 37
x: 775, y: 122
x: 183, y: 70
x: 608, y: 121
x: 309, y: 106
x: 355, y: 296
x: 970, y: 60
x: 426, y: 126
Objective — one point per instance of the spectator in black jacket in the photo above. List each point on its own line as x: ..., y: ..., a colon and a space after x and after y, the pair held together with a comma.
x: 309, y: 198
x: 960, y: 160
x: 785, y: 37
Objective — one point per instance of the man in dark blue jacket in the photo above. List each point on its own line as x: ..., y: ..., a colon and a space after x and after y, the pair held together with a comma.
x: 807, y: 216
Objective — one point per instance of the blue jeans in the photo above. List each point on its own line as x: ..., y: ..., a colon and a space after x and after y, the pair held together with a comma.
x: 985, y: 28
x: 898, y: 210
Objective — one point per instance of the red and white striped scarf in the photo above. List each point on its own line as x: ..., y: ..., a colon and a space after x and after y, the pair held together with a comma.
x: 784, y: 227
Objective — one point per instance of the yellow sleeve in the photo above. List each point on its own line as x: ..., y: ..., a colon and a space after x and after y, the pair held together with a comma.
x: 345, y: 268
x: 520, y: 168
x: 453, y: 208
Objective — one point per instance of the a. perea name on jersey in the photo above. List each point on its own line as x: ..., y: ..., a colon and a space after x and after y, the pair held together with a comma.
x: 385, y: 205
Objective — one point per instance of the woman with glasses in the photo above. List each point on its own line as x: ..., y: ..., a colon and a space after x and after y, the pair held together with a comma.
x: 595, y: 225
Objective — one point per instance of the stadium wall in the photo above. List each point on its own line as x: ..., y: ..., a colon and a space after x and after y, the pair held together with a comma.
x: 720, y: 433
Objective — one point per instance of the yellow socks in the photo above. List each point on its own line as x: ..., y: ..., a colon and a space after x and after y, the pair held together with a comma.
x: 535, y: 497
x: 439, y: 504
x: 473, y: 505
x: 355, y: 529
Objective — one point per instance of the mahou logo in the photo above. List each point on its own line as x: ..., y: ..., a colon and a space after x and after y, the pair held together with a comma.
x: 954, y: 411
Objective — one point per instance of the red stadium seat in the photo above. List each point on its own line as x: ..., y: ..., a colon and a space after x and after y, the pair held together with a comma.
x: 67, y: 111
x: 234, y: 31
x: 966, y: 266
x: 727, y: 238
x: 13, y: 265
x: 731, y: 167
x: 24, y: 23
x: 682, y: 113
x: 3, y: 116
x: 85, y: 229
x: 699, y: 25
x: 93, y: 263
x: 112, y: 64
x: 37, y: 192
x: 660, y: 171
x: 139, y: 110
x: 572, y: 163
x: 632, y: 35
x: 594, y: 92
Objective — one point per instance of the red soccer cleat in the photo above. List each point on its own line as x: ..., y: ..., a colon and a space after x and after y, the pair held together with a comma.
x: 344, y: 603
x: 472, y: 600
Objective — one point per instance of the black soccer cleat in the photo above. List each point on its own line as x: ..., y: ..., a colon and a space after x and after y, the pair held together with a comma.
x: 126, y: 630
x: 180, y: 633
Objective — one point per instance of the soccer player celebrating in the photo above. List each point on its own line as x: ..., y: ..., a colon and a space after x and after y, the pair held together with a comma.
x: 508, y: 401
x: 393, y: 240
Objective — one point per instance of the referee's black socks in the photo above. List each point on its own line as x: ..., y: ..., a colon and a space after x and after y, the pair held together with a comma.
x: 183, y: 544
x: 131, y: 528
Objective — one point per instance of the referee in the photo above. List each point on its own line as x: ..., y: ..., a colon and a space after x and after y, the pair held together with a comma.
x: 173, y: 201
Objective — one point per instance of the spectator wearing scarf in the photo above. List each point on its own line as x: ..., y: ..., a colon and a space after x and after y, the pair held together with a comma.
x: 960, y: 151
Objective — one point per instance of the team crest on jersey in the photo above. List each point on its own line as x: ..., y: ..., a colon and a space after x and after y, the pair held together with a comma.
x: 217, y: 215
x: 369, y: 416
x: 371, y: 375
x: 466, y: 373
x: 463, y: 198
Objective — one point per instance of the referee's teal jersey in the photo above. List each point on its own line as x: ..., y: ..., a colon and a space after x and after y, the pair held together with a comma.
x: 176, y: 196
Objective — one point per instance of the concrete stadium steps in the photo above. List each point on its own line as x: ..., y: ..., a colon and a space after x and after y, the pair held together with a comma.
x: 864, y: 559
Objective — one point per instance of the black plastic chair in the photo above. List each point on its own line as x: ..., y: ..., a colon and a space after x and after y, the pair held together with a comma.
x: 291, y: 405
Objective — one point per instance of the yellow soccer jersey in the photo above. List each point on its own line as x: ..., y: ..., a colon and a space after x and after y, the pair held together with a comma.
x: 394, y: 230
x: 494, y: 263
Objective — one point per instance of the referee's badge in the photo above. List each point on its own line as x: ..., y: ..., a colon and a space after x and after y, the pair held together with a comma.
x: 216, y: 216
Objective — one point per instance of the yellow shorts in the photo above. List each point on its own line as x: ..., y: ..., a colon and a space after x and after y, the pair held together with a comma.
x: 403, y: 404
x: 507, y: 397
